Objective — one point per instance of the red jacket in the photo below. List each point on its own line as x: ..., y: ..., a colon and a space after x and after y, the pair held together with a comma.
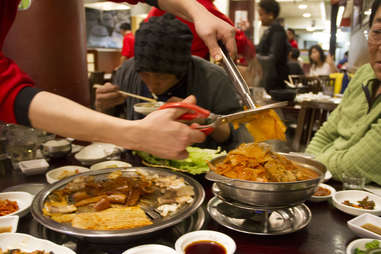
x: 128, y: 45
x: 244, y: 46
x: 12, y: 79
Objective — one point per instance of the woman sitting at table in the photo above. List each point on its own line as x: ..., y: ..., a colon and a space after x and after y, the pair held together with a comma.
x: 350, y: 140
x: 163, y: 65
x: 320, y: 63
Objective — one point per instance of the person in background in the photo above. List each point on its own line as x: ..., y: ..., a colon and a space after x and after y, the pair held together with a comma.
x: 320, y: 63
x: 342, y: 65
x: 163, y: 65
x: 273, y: 48
x: 349, y: 141
x: 291, y: 38
x: 22, y: 103
x: 128, y: 42
x: 293, y: 62
x: 245, y: 48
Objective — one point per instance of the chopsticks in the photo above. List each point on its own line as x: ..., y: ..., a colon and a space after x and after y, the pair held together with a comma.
x: 131, y: 94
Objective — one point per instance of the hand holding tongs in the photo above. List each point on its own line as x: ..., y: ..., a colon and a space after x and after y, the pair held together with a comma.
x: 211, y: 120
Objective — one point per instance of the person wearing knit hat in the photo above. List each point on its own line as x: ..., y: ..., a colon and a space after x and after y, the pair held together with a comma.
x: 163, y: 66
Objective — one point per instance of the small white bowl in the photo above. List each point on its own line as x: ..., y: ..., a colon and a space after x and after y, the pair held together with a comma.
x: 327, y: 176
x: 10, y: 221
x: 23, y: 199
x: 57, y: 174
x: 356, y: 223
x: 147, y: 107
x: 150, y: 248
x: 359, y: 243
x: 97, y: 152
x: 33, y: 167
x: 110, y: 164
x: 207, y: 235
x: 353, y: 196
x: 324, y: 198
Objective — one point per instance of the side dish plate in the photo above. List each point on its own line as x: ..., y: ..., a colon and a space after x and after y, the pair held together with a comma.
x: 118, y: 235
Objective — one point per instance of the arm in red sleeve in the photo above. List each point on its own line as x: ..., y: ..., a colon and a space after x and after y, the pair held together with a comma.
x: 14, y: 101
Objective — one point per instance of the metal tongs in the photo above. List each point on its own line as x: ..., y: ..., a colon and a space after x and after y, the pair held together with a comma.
x: 210, y: 120
x: 239, y: 82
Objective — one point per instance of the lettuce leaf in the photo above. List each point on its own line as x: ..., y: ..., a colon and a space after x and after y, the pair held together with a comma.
x: 196, y: 163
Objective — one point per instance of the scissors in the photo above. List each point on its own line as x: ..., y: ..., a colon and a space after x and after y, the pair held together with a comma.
x: 211, y: 120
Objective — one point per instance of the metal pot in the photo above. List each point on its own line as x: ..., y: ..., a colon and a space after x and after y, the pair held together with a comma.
x: 275, y: 194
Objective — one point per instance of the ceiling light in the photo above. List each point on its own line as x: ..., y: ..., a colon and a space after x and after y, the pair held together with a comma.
x: 307, y: 15
x: 368, y: 12
x: 107, y: 6
x: 302, y: 6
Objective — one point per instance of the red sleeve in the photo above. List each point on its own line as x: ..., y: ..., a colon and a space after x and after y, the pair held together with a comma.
x: 12, y: 79
x: 128, y: 46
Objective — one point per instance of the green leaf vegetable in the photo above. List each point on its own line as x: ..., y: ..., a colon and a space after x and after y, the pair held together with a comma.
x: 369, y: 248
x: 196, y: 163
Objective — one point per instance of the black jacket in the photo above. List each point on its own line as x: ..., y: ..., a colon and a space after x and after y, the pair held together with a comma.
x: 272, y: 53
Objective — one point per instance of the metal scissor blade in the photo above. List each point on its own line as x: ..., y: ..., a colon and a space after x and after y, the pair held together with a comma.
x: 246, y: 113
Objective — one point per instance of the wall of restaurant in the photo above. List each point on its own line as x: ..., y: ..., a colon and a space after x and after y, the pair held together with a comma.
x: 48, y: 41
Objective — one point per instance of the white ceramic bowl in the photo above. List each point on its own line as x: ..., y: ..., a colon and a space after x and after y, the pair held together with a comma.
x: 33, y: 167
x: 9, y: 222
x: 324, y: 198
x: 58, y: 174
x: 150, y: 249
x: 359, y: 243
x: 29, y: 243
x: 327, y: 176
x: 356, y: 223
x: 147, y: 107
x: 110, y: 164
x: 207, y: 235
x: 97, y: 152
x: 23, y: 199
x: 353, y: 196
x: 56, y: 148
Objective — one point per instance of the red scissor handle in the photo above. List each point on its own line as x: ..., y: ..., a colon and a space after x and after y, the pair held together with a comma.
x: 196, y: 111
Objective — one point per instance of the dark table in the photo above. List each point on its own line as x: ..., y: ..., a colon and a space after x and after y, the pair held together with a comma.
x: 327, y: 232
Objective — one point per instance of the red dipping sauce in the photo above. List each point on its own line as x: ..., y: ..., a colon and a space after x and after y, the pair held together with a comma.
x: 205, y: 247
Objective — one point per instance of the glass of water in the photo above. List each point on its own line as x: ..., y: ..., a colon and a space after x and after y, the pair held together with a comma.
x: 353, y: 181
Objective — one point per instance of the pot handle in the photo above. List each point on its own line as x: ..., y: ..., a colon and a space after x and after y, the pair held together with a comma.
x: 211, y: 176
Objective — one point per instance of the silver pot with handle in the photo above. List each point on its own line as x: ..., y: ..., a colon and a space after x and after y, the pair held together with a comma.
x: 270, y: 194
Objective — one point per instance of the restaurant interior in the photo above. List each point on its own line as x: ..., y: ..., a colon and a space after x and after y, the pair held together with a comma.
x: 285, y: 179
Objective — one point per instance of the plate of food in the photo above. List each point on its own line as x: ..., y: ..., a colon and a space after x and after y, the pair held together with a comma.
x: 364, y: 246
x: 113, y: 205
x: 356, y: 202
x: 29, y: 244
x: 15, y: 203
x: 60, y: 173
x: 196, y: 163
x: 323, y: 192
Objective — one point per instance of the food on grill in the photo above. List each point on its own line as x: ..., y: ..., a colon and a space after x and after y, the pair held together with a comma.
x: 112, y: 219
x: 364, y: 203
x: 7, y: 206
x: 113, y: 202
x: 256, y: 162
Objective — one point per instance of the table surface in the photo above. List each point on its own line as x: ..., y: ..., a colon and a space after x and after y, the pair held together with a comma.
x: 326, y: 233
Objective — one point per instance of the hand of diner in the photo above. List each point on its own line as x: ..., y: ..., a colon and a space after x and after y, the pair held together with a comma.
x: 171, y: 137
x: 107, y: 96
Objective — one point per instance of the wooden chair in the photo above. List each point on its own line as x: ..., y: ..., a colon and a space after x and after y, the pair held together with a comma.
x: 310, y: 117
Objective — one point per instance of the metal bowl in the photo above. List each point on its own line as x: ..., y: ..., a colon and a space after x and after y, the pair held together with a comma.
x: 115, y: 236
x: 275, y: 194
